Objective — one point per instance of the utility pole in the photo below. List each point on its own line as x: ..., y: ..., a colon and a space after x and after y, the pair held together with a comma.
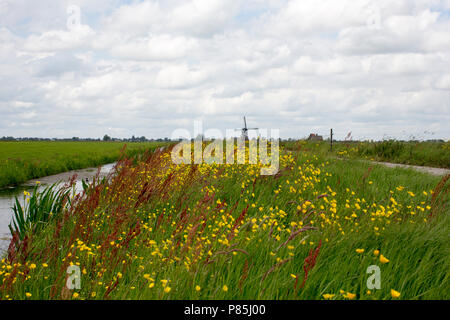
x: 331, y: 140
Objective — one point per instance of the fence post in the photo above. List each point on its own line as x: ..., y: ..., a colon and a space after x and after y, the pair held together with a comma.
x: 331, y: 140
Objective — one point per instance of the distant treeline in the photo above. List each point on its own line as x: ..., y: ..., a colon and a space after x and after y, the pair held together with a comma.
x: 144, y: 139
x: 366, y: 140
x: 105, y: 138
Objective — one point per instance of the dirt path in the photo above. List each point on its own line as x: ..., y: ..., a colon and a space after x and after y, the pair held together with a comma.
x: 429, y: 170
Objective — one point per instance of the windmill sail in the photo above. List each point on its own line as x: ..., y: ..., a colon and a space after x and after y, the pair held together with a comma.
x: 245, y: 130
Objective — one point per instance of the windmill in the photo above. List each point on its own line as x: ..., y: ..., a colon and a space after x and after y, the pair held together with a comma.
x: 245, y: 130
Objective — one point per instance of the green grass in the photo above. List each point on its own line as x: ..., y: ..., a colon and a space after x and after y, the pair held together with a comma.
x: 433, y: 154
x: 157, y: 221
x: 25, y: 160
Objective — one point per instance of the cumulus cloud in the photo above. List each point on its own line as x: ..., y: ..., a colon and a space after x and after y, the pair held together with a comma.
x: 158, y: 48
x: 59, y: 40
x: 148, y: 67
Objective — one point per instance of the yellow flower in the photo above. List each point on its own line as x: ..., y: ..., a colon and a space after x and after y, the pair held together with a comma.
x: 151, y: 285
x: 395, y: 294
x: 225, y: 288
x: 359, y: 250
x: 383, y: 259
x: 376, y: 252
x: 328, y: 296
x: 28, y: 294
x: 197, y: 288
x: 45, y: 265
x: 293, y: 276
x: 349, y: 295
x: 93, y: 294
x: 75, y: 295
x: 167, y: 289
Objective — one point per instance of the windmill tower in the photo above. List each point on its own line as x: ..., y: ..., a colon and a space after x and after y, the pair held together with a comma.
x: 244, y: 130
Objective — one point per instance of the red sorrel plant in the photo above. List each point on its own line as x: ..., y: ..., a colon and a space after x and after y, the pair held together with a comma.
x: 310, y: 262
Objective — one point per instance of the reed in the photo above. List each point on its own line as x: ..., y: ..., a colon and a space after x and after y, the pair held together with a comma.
x: 38, y: 208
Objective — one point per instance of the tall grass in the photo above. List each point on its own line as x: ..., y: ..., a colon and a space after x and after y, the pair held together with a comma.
x: 155, y: 230
x: 418, y: 153
x: 433, y: 154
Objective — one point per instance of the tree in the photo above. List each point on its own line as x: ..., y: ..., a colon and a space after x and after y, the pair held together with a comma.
x: 106, y: 138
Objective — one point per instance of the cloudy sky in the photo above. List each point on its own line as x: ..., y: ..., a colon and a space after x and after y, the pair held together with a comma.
x: 85, y: 68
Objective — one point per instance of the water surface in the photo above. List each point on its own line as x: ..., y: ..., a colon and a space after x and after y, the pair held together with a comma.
x: 7, y: 195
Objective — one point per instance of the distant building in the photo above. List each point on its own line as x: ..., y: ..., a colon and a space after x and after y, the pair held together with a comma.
x: 315, y: 137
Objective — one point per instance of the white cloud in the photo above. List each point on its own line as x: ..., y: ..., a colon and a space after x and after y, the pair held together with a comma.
x: 203, y: 17
x: 22, y: 104
x: 443, y: 83
x: 312, y: 17
x: 138, y: 18
x: 147, y: 67
x: 179, y: 77
x: 58, y: 40
x: 159, y: 47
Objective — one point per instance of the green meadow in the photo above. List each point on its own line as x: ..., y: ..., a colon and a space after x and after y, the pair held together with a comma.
x: 156, y: 230
x: 24, y: 160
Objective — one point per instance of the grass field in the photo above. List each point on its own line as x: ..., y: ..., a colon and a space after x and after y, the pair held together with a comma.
x: 162, y: 231
x: 25, y: 160
x: 433, y: 154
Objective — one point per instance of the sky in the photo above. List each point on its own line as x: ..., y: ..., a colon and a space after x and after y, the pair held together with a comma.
x: 375, y: 69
